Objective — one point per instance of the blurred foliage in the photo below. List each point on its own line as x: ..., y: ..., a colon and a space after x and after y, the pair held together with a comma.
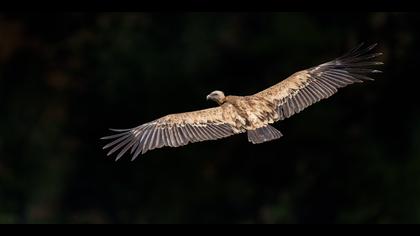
x: 66, y: 78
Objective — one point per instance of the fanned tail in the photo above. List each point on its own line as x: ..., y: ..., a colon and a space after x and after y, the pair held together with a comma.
x: 263, y: 134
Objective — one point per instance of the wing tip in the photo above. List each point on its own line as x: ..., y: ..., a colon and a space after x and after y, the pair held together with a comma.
x: 373, y: 45
x: 119, y: 130
x: 117, y: 141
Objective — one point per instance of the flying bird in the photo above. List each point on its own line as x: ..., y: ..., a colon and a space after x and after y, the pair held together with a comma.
x: 252, y: 114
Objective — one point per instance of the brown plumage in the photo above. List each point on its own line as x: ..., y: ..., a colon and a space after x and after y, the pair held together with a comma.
x: 252, y: 114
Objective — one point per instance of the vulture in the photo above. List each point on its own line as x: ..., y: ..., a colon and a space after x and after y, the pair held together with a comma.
x: 251, y: 114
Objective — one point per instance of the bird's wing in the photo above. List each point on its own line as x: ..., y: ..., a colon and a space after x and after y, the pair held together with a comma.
x: 176, y: 130
x: 309, y: 86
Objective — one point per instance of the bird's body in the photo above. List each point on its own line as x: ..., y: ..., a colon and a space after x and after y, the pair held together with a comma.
x: 252, y: 114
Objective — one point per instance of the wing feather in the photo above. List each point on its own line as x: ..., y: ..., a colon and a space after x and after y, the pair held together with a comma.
x: 136, y: 144
x: 125, y: 149
x: 178, y: 140
x: 307, y: 87
x: 175, y: 130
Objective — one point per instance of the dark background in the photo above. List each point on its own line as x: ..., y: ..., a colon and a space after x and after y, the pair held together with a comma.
x: 66, y: 78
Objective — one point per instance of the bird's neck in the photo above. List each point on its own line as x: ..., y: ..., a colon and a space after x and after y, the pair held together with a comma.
x: 230, y: 99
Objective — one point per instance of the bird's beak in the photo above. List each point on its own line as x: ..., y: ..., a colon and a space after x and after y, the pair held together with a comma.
x: 208, y: 97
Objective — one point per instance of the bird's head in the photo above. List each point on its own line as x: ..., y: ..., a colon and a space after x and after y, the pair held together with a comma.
x: 217, y: 96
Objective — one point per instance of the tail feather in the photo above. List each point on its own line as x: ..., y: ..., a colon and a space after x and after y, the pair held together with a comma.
x: 263, y: 134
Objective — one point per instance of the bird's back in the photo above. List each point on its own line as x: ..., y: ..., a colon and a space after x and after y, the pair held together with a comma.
x: 255, y: 112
